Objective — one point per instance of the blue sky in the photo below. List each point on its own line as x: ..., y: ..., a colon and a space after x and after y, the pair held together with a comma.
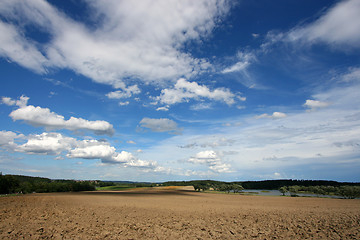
x: 180, y: 90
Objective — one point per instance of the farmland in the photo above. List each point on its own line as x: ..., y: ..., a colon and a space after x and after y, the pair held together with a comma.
x: 175, y: 213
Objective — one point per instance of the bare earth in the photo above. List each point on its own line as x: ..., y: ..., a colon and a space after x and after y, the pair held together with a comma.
x: 167, y: 213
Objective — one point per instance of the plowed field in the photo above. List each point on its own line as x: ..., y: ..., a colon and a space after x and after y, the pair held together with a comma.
x: 175, y: 214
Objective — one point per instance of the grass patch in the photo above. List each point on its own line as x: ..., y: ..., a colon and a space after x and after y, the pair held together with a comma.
x: 10, y: 194
x: 230, y: 193
x: 115, y: 188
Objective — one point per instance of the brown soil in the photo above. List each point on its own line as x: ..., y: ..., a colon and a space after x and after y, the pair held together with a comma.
x: 175, y: 214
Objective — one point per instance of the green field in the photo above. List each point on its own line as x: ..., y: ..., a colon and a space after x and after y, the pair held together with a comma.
x: 115, y: 188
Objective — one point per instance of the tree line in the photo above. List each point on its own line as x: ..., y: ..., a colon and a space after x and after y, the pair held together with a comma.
x: 265, y: 184
x: 222, y: 187
x: 319, y: 187
x: 25, y: 184
x: 344, y: 191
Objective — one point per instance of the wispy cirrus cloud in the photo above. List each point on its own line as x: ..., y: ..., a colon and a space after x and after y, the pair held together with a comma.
x: 14, y: 46
x: 244, y: 60
x: 338, y: 27
x: 131, y: 40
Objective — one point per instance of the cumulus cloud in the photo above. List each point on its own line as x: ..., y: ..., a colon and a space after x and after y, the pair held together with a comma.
x: 314, y: 104
x: 22, y: 102
x: 51, y: 143
x: 47, y: 144
x: 43, y: 117
x: 131, y: 40
x: 142, y: 164
x: 338, y: 26
x: 92, y: 149
x: 212, y: 160
x: 184, y: 91
x: 7, y: 139
x: 275, y: 115
x: 160, y: 125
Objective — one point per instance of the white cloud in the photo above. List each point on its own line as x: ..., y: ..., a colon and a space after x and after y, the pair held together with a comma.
x: 122, y: 157
x: 142, y: 164
x: 57, y: 144
x: 352, y: 75
x: 339, y: 26
x: 275, y: 115
x: 126, y: 159
x: 276, y: 174
x: 240, y: 70
x: 124, y: 103
x: 314, y: 104
x: 47, y: 144
x: 17, y: 48
x: 7, y: 139
x: 22, y: 102
x: 254, y: 149
x: 212, y: 160
x: 124, y: 93
x: 92, y: 149
x: 183, y: 91
x: 131, y: 142
x: 166, y: 108
x: 132, y: 40
x: 160, y: 125
x: 213, y: 142
x: 200, y: 106
x: 43, y: 117
x: 244, y: 61
x: 237, y: 67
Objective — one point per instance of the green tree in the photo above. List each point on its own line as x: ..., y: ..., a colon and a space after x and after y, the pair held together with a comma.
x: 283, y: 190
x: 197, y: 187
x: 350, y: 192
x: 293, y: 190
x: 8, y: 184
x: 237, y: 188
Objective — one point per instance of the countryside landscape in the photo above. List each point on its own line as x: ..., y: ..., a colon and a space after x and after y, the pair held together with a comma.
x: 204, y: 209
x: 179, y: 119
